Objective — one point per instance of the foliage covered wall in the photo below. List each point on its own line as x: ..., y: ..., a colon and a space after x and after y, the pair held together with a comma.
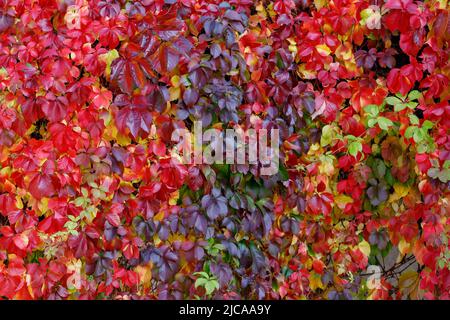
x: 95, y: 204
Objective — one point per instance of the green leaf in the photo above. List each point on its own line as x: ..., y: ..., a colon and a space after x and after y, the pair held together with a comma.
x: 413, y: 119
x: 427, y: 124
x: 444, y: 175
x: 280, y: 63
x: 399, y: 107
x: 380, y: 169
x: 386, y: 250
x: 202, y: 273
x: 73, y: 218
x: 80, y: 201
x: 389, y: 178
x: 393, y: 101
x: 200, y: 282
x: 366, y: 13
x: 422, y: 148
x: 250, y: 203
x: 446, y: 164
x: 327, y: 135
x: 419, y: 135
x: 384, y: 123
x: 411, y: 104
x: 98, y: 194
x: 354, y: 148
x: 108, y: 58
x: 211, y: 285
x: 93, y: 184
x: 84, y: 192
x: 414, y: 95
x: 410, y: 132
x: 284, y: 175
x: 447, y: 253
x: 372, y: 122
x: 372, y: 109
x: 70, y: 225
x: 441, y: 263
x: 219, y: 246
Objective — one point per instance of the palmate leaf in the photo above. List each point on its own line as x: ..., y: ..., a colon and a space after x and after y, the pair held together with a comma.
x: 354, y: 148
x: 55, y: 108
x: 211, y: 285
x: 215, y: 204
x: 134, y: 115
x: 200, y: 282
x: 134, y: 119
x: 167, y: 56
x: 41, y: 185
x: 6, y: 21
x: 132, y: 69
x: 384, y: 123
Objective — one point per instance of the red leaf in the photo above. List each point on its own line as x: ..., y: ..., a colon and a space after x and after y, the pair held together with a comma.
x: 113, y: 216
x: 41, y: 186
x: 21, y: 241
x: 135, y: 119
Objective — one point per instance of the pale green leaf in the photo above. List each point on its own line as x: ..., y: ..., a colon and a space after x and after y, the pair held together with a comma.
x: 354, y: 148
x: 327, y: 135
x: 399, y: 107
x: 427, y: 124
x: 393, y: 101
x: 413, y: 119
x: 372, y: 122
x: 200, y: 282
x: 372, y: 110
x: 410, y: 132
x: 384, y: 123
x: 414, y: 95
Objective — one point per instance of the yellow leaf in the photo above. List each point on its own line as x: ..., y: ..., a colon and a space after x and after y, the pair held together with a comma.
x: 292, y: 48
x: 19, y: 203
x: 344, y: 52
x: 176, y: 237
x: 174, y: 93
x: 260, y: 9
x: 315, y: 281
x: 408, y: 283
x: 305, y: 73
x: 342, y: 200
x: 175, y: 81
x: 43, y: 205
x: 404, y: 247
x: 292, y: 45
x: 441, y: 4
x: 74, y: 281
x: 159, y: 216
x: 327, y: 165
x: 108, y: 58
x: 5, y: 171
x: 320, y: 3
x: 401, y: 189
x: 364, y: 246
x: 323, y: 50
x: 145, y: 274
x: 3, y: 72
x: 272, y: 12
x: 123, y: 140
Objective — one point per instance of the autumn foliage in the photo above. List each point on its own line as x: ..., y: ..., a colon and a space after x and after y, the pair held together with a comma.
x: 95, y: 204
